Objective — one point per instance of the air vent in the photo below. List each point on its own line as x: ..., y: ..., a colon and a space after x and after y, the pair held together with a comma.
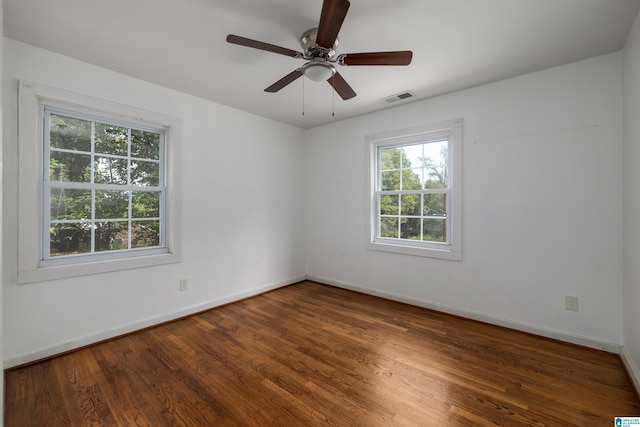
x: 398, y: 97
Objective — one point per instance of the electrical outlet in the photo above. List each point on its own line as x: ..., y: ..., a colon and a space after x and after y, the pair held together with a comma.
x: 571, y: 303
x: 184, y: 284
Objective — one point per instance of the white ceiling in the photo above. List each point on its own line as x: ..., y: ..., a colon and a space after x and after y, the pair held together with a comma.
x: 456, y: 44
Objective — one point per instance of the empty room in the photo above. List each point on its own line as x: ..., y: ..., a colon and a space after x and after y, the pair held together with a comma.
x: 320, y: 212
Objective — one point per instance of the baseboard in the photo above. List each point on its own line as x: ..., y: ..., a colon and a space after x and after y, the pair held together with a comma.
x: 632, y: 369
x: 127, y: 329
x: 482, y: 317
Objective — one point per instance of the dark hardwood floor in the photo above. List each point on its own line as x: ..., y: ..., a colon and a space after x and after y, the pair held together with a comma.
x: 310, y: 355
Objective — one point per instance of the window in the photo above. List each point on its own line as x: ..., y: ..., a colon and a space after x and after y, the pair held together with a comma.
x: 104, y: 176
x: 415, y: 191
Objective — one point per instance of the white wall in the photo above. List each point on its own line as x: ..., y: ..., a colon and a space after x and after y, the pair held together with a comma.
x: 242, y: 223
x: 542, y: 205
x: 631, y: 150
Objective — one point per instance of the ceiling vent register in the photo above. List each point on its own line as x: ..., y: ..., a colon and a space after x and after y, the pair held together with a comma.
x: 398, y: 97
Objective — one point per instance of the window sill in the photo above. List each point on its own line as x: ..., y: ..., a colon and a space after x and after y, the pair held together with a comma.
x: 42, y: 274
x: 446, y: 252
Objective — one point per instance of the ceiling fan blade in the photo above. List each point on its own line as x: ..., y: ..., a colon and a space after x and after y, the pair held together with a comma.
x: 243, y: 41
x: 377, y: 58
x: 341, y: 86
x: 331, y: 18
x: 289, y: 78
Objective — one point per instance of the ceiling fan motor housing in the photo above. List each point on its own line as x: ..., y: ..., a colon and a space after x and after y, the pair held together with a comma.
x: 311, y: 48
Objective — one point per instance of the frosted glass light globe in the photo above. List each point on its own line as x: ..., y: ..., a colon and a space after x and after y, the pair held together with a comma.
x: 318, y: 72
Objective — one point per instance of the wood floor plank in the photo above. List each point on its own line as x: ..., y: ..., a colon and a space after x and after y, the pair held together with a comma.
x: 314, y: 355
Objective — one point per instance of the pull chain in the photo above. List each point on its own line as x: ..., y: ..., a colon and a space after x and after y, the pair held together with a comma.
x: 333, y: 95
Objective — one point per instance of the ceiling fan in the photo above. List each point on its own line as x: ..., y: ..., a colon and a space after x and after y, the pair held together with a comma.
x: 319, y: 46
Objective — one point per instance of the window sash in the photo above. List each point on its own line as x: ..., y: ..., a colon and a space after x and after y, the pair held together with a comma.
x: 48, y: 185
x: 378, y: 192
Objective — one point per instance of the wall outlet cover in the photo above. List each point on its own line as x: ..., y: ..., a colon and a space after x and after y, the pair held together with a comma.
x: 571, y: 303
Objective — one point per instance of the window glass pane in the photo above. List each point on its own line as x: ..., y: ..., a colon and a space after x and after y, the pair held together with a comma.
x: 434, y: 230
x: 435, y: 205
x: 69, y: 167
x: 435, y: 178
x: 112, y: 204
x: 145, y: 174
x: 145, y: 145
x: 111, y: 236
x: 69, y: 133
x: 410, y: 228
x: 145, y: 234
x: 110, y: 171
x: 145, y: 205
x: 411, y: 156
x: 70, y: 204
x: 411, y: 180
x: 435, y: 153
x: 410, y: 204
x: 416, y: 177
x: 389, y: 158
x: 69, y: 239
x: 111, y: 139
x: 390, y: 181
x: 389, y: 227
x: 389, y: 204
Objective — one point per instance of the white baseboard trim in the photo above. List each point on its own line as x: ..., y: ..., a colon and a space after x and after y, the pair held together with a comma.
x: 123, y: 330
x: 479, y: 316
x: 632, y: 368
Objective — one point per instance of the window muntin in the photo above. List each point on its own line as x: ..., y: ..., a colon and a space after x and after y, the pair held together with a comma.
x: 415, y: 183
x: 103, y: 186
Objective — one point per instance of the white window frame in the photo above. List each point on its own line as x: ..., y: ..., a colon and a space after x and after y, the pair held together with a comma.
x: 33, y: 266
x: 450, y: 130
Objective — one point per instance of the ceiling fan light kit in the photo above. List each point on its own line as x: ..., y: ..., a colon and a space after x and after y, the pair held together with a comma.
x: 318, y: 71
x: 319, y: 47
